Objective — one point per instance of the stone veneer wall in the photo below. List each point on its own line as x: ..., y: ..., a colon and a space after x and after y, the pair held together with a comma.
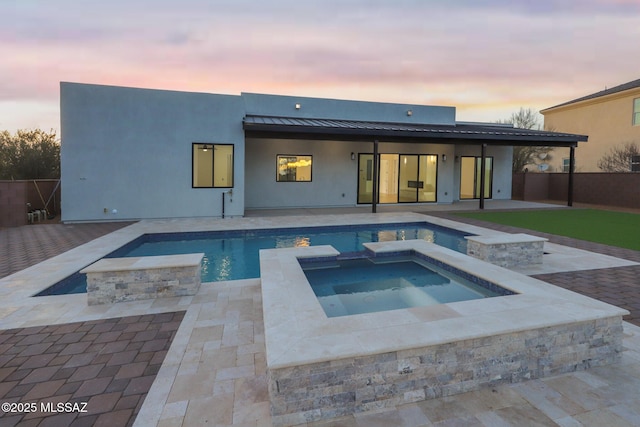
x: 331, y: 389
x: 507, y: 254
x: 105, y: 287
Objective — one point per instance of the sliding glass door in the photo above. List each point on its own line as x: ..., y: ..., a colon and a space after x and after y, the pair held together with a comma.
x: 402, y: 178
x: 418, y: 178
x: 470, y: 177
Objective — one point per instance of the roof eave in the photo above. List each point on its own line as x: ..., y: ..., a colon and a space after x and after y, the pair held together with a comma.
x: 292, y: 132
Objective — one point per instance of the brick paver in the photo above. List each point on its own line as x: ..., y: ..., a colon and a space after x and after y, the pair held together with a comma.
x: 45, y: 365
x: 22, y: 247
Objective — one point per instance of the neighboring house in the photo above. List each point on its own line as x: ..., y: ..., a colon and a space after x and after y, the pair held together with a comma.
x: 137, y: 153
x: 610, y: 117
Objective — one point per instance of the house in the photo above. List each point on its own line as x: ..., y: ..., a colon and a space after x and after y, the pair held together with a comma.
x: 610, y: 117
x: 131, y: 153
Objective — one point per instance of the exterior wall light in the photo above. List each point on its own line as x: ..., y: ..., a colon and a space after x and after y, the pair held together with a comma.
x: 409, y: 113
x: 444, y: 157
x: 353, y: 155
x: 297, y: 106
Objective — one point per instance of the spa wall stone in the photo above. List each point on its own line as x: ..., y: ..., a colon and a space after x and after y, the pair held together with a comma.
x: 331, y: 389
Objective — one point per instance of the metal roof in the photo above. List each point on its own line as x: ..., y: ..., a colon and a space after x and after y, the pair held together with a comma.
x: 313, y: 128
x: 620, y: 88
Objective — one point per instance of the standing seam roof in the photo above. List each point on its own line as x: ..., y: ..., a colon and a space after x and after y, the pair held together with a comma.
x: 383, y: 126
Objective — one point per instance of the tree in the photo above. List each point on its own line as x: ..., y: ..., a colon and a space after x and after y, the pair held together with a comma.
x: 618, y: 159
x: 525, y: 118
x: 29, y: 154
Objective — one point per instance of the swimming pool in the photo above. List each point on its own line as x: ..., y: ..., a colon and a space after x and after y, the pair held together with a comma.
x: 369, y: 285
x: 233, y: 255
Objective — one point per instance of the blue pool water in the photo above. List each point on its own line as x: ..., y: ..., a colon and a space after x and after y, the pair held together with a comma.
x: 233, y: 255
x: 362, y: 286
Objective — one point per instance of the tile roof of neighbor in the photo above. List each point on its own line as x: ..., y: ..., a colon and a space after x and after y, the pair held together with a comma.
x: 354, y: 129
x: 620, y: 88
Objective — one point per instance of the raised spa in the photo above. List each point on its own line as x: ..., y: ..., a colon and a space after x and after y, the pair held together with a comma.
x: 367, y: 285
x: 322, y: 367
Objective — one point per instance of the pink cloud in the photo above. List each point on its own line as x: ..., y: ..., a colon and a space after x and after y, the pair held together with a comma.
x: 481, y: 57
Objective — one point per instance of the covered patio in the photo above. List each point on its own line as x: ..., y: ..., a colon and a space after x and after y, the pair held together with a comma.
x: 479, y: 136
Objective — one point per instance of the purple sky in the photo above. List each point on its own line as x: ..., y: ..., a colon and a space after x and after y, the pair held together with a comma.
x: 487, y: 58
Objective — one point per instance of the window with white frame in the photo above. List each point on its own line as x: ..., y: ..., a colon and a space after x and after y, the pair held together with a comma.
x: 565, y: 165
x: 636, y: 112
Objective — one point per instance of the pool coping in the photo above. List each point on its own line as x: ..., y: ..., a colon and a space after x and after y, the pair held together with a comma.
x: 298, y: 332
x: 32, y: 280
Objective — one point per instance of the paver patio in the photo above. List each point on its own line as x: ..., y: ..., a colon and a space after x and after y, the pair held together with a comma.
x: 106, y: 367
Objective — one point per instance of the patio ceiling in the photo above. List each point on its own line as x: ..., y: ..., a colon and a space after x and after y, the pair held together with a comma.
x: 351, y: 130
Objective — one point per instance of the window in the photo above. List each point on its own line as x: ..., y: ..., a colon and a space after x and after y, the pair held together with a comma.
x: 565, y: 165
x: 212, y: 165
x: 471, y: 177
x: 636, y: 112
x: 293, y: 168
x: 635, y: 163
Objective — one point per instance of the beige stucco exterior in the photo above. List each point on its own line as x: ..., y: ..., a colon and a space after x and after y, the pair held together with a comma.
x: 607, y: 120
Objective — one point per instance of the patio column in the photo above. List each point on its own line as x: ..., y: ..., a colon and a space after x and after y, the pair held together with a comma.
x: 482, y: 174
x: 572, y: 160
x: 374, y: 196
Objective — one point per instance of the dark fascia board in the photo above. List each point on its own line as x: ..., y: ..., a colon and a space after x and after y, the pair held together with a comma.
x: 436, y: 134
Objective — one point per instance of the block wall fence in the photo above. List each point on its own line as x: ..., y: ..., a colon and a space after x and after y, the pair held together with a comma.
x: 609, y: 189
x: 14, y: 196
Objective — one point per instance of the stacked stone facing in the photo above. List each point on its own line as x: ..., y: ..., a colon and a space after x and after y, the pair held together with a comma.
x: 507, y: 250
x: 341, y: 387
x: 112, y: 280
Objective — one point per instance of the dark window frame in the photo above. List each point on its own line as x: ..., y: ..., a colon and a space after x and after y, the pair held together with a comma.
x: 213, y: 145
x: 278, y: 156
x: 370, y: 171
x: 437, y: 156
x: 475, y: 177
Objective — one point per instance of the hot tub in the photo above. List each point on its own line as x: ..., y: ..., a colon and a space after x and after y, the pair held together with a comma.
x: 322, y: 367
x: 367, y: 285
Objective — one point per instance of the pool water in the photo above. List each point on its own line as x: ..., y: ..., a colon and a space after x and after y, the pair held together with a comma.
x: 362, y: 286
x: 234, y: 255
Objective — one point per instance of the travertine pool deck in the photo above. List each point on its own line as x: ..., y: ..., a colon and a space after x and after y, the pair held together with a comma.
x: 215, y: 370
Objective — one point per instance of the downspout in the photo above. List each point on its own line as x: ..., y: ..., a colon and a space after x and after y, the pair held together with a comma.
x: 482, y: 174
x: 572, y: 160
x: 230, y: 193
x: 374, y: 196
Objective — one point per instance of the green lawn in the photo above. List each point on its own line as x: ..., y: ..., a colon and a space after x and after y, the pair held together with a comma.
x: 608, y: 227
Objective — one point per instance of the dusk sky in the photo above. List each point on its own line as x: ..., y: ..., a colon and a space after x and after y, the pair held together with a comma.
x: 485, y: 57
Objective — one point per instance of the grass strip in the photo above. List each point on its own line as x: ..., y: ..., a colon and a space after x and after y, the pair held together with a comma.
x: 620, y: 229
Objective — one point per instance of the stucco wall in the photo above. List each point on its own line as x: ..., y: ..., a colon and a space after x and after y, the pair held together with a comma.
x: 334, y: 173
x: 131, y: 150
x: 607, y: 121
x: 284, y: 106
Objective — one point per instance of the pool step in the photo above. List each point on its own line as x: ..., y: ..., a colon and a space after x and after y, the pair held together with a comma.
x: 352, y: 255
